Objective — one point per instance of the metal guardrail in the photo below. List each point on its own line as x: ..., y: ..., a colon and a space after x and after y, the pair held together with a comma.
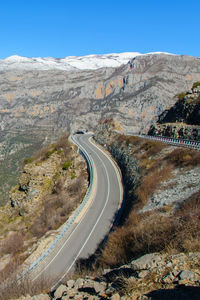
x: 71, y: 220
x: 172, y: 141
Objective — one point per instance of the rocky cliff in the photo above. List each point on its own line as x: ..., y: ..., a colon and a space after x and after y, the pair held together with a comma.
x: 182, y: 120
x: 135, y: 93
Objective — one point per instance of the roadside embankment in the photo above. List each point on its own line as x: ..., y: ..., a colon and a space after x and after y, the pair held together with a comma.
x: 162, y: 186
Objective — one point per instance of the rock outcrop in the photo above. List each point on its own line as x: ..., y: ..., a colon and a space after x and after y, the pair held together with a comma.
x: 182, y: 120
x: 37, y: 179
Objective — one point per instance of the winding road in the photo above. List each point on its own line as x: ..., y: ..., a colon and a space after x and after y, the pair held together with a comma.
x: 95, y: 222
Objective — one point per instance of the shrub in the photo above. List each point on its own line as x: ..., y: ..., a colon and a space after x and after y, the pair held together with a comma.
x: 195, y: 85
x: 182, y: 158
x: 180, y: 96
x: 59, y: 151
x: 49, y: 153
x: 153, y: 232
x: 14, y: 288
x: 73, y: 176
x: 13, y: 243
x: 28, y: 160
x: 133, y: 140
x: 66, y: 165
x: 151, y: 182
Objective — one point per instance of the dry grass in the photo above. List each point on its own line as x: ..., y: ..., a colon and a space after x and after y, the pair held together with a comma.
x: 58, y: 206
x: 152, y: 181
x: 184, y: 158
x: 153, y: 232
x: 152, y: 147
x: 10, y: 268
x: 12, y: 244
x: 15, y: 289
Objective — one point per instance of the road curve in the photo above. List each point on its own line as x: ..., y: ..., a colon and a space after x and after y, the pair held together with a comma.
x: 84, y: 236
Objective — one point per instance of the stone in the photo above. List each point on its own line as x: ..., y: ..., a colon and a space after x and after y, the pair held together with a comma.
x: 168, y: 278
x: 88, y: 283
x: 70, y: 283
x: 60, y: 290
x: 186, y: 275
x: 78, y: 297
x: 41, y: 297
x: 79, y: 283
x: 115, y: 297
x: 147, y: 261
x: 143, y: 273
x: 99, y: 287
x: 110, y: 290
x: 69, y: 295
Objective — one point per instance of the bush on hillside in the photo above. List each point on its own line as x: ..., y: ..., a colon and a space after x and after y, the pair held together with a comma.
x: 180, y: 96
x: 153, y: 232
x: 195, y: 85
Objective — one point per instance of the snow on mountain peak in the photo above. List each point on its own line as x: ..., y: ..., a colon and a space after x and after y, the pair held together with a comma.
x: 15, y: 58
x: 88, y: 62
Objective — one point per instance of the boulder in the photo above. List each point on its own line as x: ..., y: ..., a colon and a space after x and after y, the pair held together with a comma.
x: 99, y: 287
x: 186, y: 275
x: 148, y: 261
x: 79, y: 283
x: 70, y: 283
x: 115, y: 297
x: 60, y: 291
x: 41, y: 297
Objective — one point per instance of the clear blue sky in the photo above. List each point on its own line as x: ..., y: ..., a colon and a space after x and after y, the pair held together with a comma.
x: 61, y: 28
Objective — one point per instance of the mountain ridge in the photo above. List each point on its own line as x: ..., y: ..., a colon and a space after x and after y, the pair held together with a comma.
x: 87, y: 62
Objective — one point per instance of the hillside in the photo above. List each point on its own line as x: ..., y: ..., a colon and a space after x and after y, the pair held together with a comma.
x: 51, y: 186
x: 37, y: 105
x: 154, y: 251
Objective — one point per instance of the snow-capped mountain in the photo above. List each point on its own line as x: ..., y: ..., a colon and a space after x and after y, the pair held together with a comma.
x: 89, y: 62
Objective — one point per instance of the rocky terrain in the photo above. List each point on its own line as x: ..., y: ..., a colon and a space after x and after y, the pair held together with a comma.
x: 38, y: 104
x: 182, y: 120
x: 152, y: 276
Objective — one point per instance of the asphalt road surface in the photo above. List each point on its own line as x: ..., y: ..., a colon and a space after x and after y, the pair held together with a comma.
x: 85, y: 237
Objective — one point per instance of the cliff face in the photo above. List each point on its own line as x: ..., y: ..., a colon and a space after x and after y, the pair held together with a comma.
x: 135, y: 93
x: 182, y: 120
